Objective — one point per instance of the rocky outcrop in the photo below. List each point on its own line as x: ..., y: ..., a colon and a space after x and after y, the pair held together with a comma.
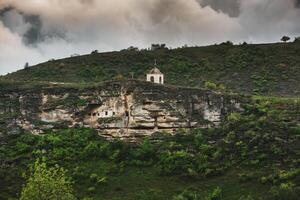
x: 127, y: 110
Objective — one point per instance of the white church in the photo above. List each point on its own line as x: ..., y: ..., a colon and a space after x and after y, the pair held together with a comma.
x: 155, y: 76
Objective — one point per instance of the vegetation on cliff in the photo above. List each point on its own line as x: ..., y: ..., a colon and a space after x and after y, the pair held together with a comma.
x: 270, y: 69
x: 253, y: 155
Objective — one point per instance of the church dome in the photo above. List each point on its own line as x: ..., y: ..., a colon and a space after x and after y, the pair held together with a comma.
x: 155, y: 70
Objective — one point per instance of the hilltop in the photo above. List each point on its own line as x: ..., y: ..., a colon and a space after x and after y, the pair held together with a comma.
x: 267, y: 69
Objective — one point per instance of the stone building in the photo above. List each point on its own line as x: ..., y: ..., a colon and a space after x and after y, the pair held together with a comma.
x: 155, y: 76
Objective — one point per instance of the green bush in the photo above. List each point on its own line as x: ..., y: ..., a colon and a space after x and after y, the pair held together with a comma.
x: 175, y: 162
x: 210, y: 85
x: 193, y: 194
x: 91, y: 190
x: 246, y: 177
x: 286, y: 191
x: 150, y: 194
x: 247, y: 197
x: 98, y: 180
x: 96, y: 149
x: 48, y: 183
x: 188, y: 194
x: 234, y: 117
x: 216, y: 194
x: 143, y: 155
x: 289, y: 175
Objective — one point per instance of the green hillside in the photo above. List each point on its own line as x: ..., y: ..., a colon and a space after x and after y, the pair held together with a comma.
x: 269, y: 69
x: 251, y: 156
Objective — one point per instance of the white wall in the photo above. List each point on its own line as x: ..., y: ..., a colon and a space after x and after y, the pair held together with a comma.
x: 102, y: 114
x: 156, y: 78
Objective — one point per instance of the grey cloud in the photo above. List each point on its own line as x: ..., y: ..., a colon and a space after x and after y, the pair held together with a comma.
x: 28, y: 26
x: 231, y: 7
x: 40, y: 30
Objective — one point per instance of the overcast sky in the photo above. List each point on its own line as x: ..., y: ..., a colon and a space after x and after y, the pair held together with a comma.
x: 39, y: 30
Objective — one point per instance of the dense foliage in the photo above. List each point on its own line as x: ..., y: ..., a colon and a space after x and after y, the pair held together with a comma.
x: 253, y: 155
x: 47, y: 183
x: 260, y: 69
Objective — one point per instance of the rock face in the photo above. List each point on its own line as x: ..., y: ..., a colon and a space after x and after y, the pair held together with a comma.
x: 126, y: 110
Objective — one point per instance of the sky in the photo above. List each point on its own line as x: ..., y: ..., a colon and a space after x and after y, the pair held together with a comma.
x: 40, y: 30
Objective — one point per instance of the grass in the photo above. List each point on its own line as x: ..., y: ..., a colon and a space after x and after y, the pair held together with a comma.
x: 268, y: 69
x: 148, y: 183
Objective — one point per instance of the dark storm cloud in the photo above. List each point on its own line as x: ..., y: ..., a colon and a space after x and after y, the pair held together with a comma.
x: 231, y: 7
x: 39, y: 30
x: 27, y: 26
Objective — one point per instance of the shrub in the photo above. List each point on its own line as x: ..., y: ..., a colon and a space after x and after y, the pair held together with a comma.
x: 93, y: 149
x: 210, y: 85
x: 145, y: 152
x: 286, y: 191
x: 94, y: 177
x: 245, y: 177
x: 150, y: 194
x: 248, y: 197
x: 48, y: 183
x: 91, y: 190
x: 199, y: 139
x: 175, y: 162
x: 193, y: 194
x: 22, y: 147
x: 227, y: 43
x: 264, y: 180
x: 288, y: 175
x: 188, y: 194
x: 234, y: 117
x: 98, y: 180
x: 216, y: 194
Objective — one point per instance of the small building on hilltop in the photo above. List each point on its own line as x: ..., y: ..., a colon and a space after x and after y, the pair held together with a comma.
x: 155, y: 76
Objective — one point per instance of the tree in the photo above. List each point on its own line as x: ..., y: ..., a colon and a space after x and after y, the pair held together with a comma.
x: 285, y: 38
x: 26, y: 66
x: 132, y: 48
x: 227, y: 43
x: 47, y: 183
x: 95, y: 52
x: 158, y: 46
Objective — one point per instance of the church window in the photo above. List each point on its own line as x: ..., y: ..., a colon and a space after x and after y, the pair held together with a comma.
x: 152, y: 79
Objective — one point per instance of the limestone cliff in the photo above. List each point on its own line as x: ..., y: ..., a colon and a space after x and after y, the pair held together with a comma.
x: 127, y: 110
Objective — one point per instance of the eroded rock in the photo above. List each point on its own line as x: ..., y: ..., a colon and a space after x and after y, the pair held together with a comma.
x: 124, y: 110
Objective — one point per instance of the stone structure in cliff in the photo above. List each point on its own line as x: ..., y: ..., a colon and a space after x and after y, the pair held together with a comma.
x: 128, y: 110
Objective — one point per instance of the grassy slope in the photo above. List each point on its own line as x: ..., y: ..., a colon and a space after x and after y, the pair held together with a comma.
x: 270, y: 69
x: 135, y: 182
x: 147, y: 183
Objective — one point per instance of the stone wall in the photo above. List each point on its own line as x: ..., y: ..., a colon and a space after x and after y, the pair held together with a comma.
x: 127, y: 110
